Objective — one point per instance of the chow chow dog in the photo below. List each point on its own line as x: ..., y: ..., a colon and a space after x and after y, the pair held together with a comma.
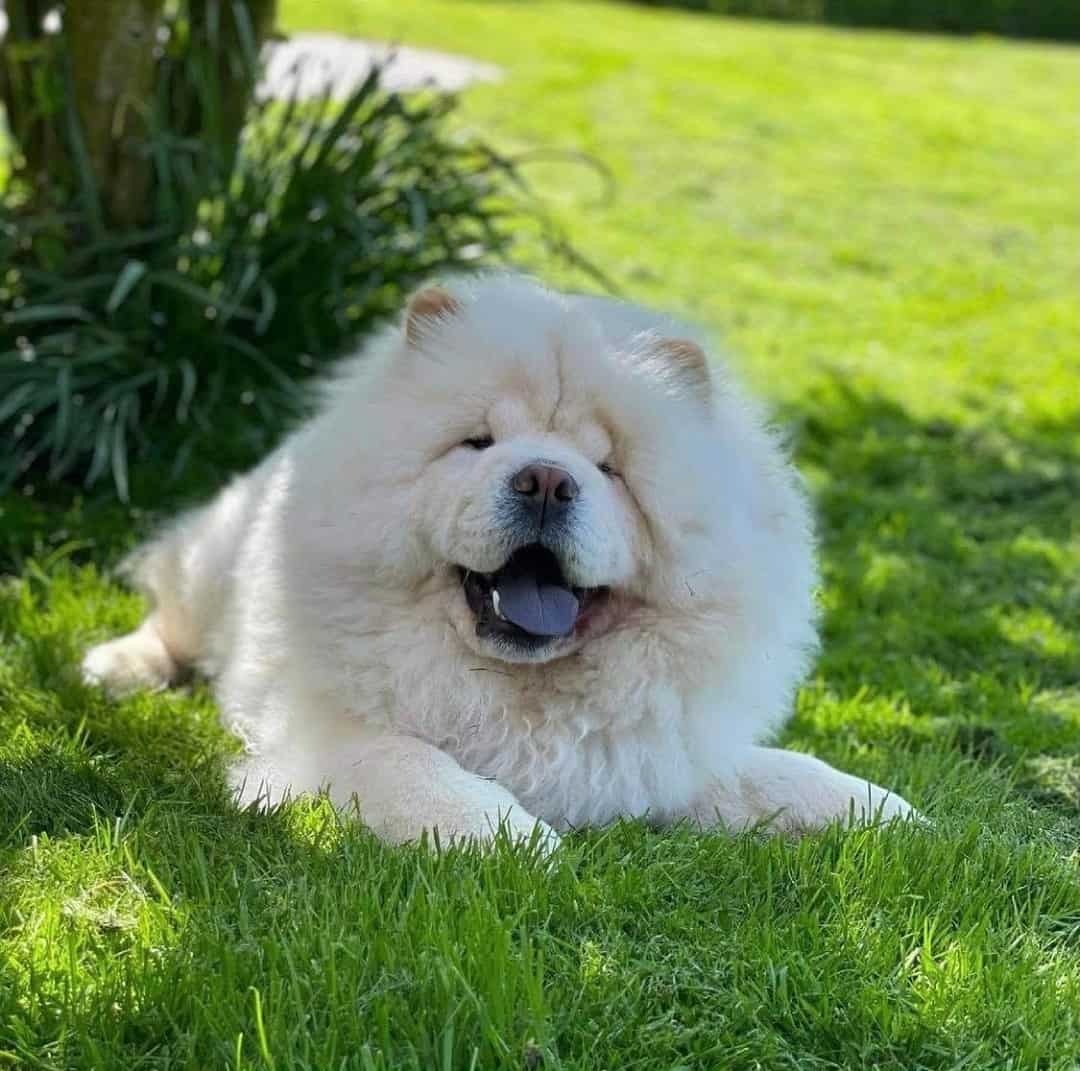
x: 535, y: 562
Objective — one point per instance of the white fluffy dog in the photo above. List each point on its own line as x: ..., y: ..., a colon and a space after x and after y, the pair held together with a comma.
x: 531, y: 563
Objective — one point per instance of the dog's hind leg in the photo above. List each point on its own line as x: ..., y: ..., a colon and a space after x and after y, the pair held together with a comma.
x: 186, y: 573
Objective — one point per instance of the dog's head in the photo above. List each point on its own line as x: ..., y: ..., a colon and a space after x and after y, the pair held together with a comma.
x: 546, y: 469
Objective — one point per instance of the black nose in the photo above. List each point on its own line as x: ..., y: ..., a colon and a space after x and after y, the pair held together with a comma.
x: 545, y: 490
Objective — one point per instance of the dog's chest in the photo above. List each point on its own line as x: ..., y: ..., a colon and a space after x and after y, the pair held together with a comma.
x: 571, y: 774
x: 578, y: 743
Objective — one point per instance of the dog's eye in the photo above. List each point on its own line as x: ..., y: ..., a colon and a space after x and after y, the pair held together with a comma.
x: 479, y: 442
x: 607, y: 468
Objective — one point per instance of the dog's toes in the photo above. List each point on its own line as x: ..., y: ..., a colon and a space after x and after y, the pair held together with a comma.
x: 525, y: 829
x: 889, y: 806
x: 864, y: 803
x: 488, y: 831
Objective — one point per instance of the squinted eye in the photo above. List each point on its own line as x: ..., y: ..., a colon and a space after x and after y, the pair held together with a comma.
x: 607, y: 468
x: 479, y: 442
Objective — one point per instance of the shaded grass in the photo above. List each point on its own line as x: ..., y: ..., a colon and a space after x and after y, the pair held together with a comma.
x: 884, y: 228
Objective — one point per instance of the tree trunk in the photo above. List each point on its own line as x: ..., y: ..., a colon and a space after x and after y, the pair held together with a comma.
x: 111, y: 48
x: 79, y: 103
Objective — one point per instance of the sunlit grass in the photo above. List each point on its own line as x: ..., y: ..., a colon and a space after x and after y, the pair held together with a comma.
x: 883, y: 227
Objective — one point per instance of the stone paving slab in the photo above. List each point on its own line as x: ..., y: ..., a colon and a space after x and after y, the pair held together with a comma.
x: 309, y: 61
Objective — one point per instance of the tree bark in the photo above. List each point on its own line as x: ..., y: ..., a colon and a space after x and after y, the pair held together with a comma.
x: 78, y: 103
x: 111, y: 48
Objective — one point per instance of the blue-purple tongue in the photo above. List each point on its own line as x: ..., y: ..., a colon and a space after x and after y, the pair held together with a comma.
x: 541, y: 608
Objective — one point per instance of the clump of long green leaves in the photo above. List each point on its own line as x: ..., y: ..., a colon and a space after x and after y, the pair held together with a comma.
x: 252, y: 273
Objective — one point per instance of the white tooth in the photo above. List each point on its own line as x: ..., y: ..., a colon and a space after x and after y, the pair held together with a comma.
x: 495, y: 603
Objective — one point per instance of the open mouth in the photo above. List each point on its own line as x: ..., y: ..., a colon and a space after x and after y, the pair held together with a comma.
x: 528, y: 602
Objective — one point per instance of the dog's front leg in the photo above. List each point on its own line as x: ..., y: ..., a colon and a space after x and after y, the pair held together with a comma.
x: 792, y: 793
x: 403, y: 787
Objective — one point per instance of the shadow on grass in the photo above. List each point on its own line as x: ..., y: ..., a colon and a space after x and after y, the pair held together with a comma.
x: 950, y: 560
x: 950, y: 587
x: 925, y: 515
x: 169, y: 928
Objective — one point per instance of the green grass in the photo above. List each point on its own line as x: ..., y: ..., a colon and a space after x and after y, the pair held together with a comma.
x: 884, y: 228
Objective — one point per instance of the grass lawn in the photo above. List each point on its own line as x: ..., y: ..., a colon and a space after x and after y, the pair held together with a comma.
x: 884, y: 228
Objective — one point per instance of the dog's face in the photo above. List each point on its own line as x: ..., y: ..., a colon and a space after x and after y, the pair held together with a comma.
x: 541, y: 470
x: 538, y: 481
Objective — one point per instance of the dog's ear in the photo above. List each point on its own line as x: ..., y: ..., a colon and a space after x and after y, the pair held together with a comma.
x: 687, y: 364
x: 427, y: 305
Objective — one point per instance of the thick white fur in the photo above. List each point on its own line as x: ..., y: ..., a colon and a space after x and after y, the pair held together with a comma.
x: 317, y: 591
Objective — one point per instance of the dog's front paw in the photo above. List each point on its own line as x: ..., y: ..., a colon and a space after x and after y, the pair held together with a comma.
x: 460, y: 823
x: 136, y: 662
x: 488, y: 829
x: 794, y: 793
x: 835, y: 796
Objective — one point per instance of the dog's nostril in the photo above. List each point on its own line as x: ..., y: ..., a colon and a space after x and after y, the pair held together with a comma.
x: 526, y: 482
x: 566, y: 490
